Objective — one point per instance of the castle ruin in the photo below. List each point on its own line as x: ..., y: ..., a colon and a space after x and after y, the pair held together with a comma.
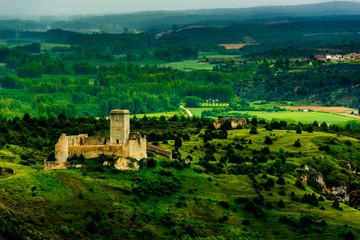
x: 122, y: 146
x: 235, y: 122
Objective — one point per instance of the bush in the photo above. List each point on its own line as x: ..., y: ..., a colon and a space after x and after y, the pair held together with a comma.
x: 246, y: 222
x: 297, y: 143
x: 253, y: 130
x: 311, y: 199
x: 281, y: 204
x: 299, y: 184
x: 268, y: 140
x: 151, y: 163
x: 224, y: 204
x: 336, y: 204
x: 281, y: 181
x: 349, y: 235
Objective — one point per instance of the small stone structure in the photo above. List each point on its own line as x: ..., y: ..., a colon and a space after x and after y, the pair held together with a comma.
x: 159, y: 150
x: 235, y: 122
x: 121, y: 146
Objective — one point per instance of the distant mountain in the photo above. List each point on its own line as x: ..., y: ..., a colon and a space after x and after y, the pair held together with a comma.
x: 161, y: 20
x: 145, y: 21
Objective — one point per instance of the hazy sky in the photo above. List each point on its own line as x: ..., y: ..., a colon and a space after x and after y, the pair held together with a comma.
x: 73, y: 7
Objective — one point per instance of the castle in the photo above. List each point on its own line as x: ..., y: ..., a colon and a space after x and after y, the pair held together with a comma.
x: 124, y: 147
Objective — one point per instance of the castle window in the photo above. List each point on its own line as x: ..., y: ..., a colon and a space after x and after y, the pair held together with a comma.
x: 117, y: 141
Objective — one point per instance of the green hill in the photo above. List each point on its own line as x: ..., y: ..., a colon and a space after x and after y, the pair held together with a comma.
x: 251, y: 190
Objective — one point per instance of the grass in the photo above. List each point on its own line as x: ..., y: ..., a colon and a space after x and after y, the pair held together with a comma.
x: 198, y: 111
x: 215, y: 55
x: 50, y: 46
x: 189, y: 65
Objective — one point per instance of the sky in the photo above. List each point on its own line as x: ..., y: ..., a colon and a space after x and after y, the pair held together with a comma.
x: 84, y: 7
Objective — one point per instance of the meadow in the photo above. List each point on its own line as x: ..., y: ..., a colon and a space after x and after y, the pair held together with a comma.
x: 189, y: 65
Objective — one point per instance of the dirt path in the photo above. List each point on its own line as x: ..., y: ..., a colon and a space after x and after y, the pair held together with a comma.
x: 187, y: 110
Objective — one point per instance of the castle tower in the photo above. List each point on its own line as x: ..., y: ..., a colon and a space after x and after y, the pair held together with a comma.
x: 119, y: 126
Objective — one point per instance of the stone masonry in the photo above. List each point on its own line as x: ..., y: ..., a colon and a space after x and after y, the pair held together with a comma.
x: 121, y: 145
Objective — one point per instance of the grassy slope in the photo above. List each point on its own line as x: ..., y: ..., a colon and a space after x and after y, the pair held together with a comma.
x: 75, y: 204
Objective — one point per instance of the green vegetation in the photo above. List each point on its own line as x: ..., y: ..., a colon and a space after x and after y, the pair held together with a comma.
x: 269, y: 179
x: 236, y: 184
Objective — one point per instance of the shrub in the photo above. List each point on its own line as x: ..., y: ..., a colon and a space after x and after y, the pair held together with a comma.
x: 281, y: 181
x: 336, y: 204
x: 151, y: 163
x: 253, y: 130
x: 349, y: 235
x: 281, y: 204
x: 246, y: 222
x: 299, y: 184
x: 297, y: 143
x: 224, y: 204
x: 298, y: 129
x: 310, y: 129
x: 269, y: 184
x: 268, y: 140
x: 240, y: 200
x: 311, y: 199
x: 269, y: 205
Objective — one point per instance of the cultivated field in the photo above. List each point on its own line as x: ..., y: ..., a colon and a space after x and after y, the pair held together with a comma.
x: 233, y: 46
x: 335, y: 110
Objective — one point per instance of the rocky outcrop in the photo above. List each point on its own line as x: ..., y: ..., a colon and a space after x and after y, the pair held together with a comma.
x: 123, y: 163
x: 340, y: 193
x: 312, y: 178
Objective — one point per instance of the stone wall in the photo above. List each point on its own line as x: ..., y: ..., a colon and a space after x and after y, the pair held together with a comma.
x: 50, y: 165
x: 61, y: 149
x: 159, y: 150
x: 97, y: 150
x: 95, y: 141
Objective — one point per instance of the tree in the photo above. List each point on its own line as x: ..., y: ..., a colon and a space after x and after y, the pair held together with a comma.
x: 298, y: 129
x: 192, y: 101
x: 268, y: 140
x: 178, y: 141
x: 253, y: 130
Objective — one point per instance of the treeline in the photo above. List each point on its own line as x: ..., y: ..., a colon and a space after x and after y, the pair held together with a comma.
x: 50, y: 87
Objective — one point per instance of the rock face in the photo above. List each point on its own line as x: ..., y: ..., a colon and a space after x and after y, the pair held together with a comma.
x: 313, y: 178
x: 121, y: 145
x: 341, y: 193
x: 126, y: 164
